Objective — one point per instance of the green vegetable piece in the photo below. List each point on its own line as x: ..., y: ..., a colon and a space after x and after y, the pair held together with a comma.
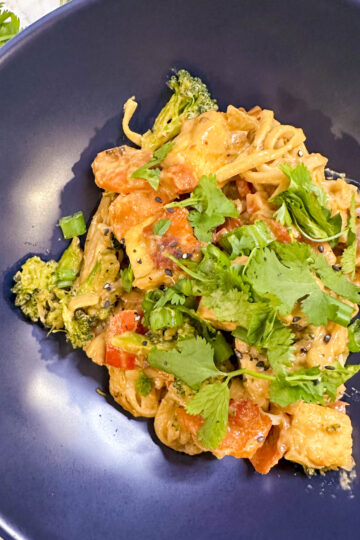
x: 211, y: 207
x: 244, y: 239
x: 192, y: 362
x: 138, y: 344
x: 143, y: 384
x: 304, y: 204
x: 78, y: 326
x: 189, y: 99
x: 9, y: 25
x: 161, y: 226
x: 69, y: 264
x: 348, y: 259
x: 73, y: 225
x: 127, y: 278
x: 212, y: 402
x: 354, y: 336
x: 222, y: 350
x: 146, y: 172
x: 291, y: 282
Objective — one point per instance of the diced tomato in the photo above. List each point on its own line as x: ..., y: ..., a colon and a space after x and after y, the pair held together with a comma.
x: 180, y: 178
x: 270, y: 452
x: 123, y: 321
x: 113, y: 169
x: 279, y: 231
x: 243, y: 187
x: 119, y: 359
x: 247, y: 430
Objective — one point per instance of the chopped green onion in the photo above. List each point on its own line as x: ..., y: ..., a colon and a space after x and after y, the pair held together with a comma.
x: 65, y: 278
x: 73, y: 225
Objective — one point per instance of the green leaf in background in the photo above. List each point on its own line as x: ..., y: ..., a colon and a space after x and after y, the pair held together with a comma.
x: 9, y: 25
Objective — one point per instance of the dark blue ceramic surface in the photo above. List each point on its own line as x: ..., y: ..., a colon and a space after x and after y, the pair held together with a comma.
x: 73, y: 466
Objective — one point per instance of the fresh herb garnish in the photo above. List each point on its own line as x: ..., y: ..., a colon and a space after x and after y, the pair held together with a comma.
x: 244, y: 239
x: 348, y: 259
x: 354, y: 336
x: 143, y: 384
x: 147, y: 172
x: 304, y: 205
x: 127, y: 278
x: 193, y: 363
x: 211, y: 207
x: 161, y: 226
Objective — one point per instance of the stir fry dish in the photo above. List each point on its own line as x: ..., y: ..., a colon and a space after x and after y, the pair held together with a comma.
x: 218, y: 283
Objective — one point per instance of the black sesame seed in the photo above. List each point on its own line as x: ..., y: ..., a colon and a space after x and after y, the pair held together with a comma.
x: 304, y: 350
x: 327, y: 338
x: 300, y: 153
x: 139, y: 261
x: 122, y: 241
x: 150, y: 278
x: 106, y: 232
x: 238, y: 354
x: 168, y: 272
x: 260, y: 438
x: 184, y: 255
x: 107, y: 304
x: 107, y: 286
x: 321, y: 249
x: 137, y: 317
x: 331, y: 368
x: 173, y: 244
x: 171, y: 210
x: 336, y: 267
x: 144, y: 343
x: 296, y: 319
x: 260, y: 364
x: 158, y: 199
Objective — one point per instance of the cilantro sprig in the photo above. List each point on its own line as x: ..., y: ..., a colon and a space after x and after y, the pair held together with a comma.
x: 148, y: 172
x: 210, y: 207
x: 304, y: 205
x: 348, y: 259
x: 193, y: 363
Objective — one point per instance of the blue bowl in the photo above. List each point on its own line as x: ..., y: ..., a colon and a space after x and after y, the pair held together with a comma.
x: 73, y: 464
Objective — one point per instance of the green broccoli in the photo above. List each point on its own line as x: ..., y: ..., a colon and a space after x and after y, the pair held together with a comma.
x: 190, y: 98
x: 42, y: 288
x: 37, y: 294
x: 78, y: 326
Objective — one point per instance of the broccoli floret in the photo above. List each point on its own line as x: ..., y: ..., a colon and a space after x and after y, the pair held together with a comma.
x: 37, y: 294
x: 78, y: 326
x: 190, y: 98
x: 42, y: 288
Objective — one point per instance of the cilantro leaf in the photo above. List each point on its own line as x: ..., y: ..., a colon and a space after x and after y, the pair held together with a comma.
x: 9, y: 25
x: 192, y: 362
x: 245, y: 238
x: 348, y: 259
x: 161, y: 226
x: 212, y: 402
x: 303, y: 254
x: 127, y: 278
x: 230, y: 306
x: 354, y: 336
x: 310, y: 385
x: 304, y: 204
x: 146, y: 172
x: 143, y: 384
x: 211, y: 207
x: 291, y: 280
x: 300, y: 178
